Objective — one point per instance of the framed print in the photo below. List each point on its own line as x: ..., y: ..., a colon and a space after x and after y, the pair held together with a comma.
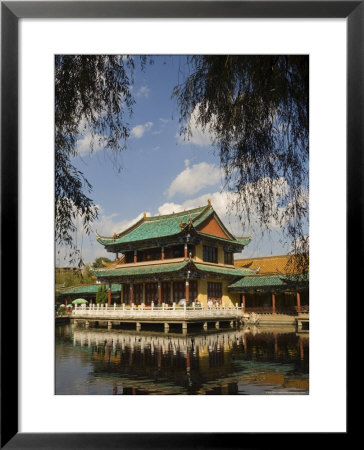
x: 176, y: 260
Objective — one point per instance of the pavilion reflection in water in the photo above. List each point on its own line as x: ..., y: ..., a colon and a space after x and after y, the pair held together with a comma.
x: 227, y: 362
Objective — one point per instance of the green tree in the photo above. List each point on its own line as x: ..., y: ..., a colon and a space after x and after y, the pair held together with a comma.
x: 97, y: 264
x: 101, y: 295
x: 93, y: 96
x: 256, y: 109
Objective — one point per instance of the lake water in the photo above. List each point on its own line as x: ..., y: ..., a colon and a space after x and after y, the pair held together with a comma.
x: 248, y: 361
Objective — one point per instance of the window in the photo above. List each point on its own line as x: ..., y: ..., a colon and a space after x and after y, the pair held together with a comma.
x: 214, y: 291
x: 126, y: 293
x: 210, y: 254
x: 193, y: 290
x: 177, y: 251
x: 138, y: 294
x: 228, y: 258
x: 151, y: 293
x: 179, y: 291
x: 129, y: 257
x: 166, y: 292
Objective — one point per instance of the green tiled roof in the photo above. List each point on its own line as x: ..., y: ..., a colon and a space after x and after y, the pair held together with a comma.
x: 140, y: 270
x: 154, y: 269
x: 243, y: 241
x: 258, y: 281
x: 233, y: 271
x: 240, y: 241
x: 168, y: 225
x: 155, y: 227
x: 87, y: 289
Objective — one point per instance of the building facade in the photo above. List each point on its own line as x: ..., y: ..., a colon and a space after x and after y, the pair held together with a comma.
x: 186, y: 256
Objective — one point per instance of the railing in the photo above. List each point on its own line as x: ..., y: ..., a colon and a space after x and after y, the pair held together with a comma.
x: 157, y: 312
x: 292, y: 310
x: 259, y: 309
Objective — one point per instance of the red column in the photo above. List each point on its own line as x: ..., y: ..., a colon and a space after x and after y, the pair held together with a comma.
x: 298, y: 302
x: 187, y: 291
x: 245, y: 343
x: 159, y: 357
x: 275, y: 343
x: 135, y: 256
x: 243, y: 302
x: 66, y: 302
x: 109, y: 295
x: 159, y: 293
x: 186, y: 255
x: 273, y: 304
x: 301, y: 348
x: 162, y: 253
x: 90, y: 302
x: 131, y: 293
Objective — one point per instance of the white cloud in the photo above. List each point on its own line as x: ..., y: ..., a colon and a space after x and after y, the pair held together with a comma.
x: 107, y: 225
x: 143, y: 91
x: 88, y: 143
x: 221, y: 202
x: 199, y: 136
x: 139, y: 130
x: 195, y: 178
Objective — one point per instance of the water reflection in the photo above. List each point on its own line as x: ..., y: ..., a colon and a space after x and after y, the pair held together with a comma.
x: 244, y: 361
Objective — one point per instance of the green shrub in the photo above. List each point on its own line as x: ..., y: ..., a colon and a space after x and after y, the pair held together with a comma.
x: 101, y: 295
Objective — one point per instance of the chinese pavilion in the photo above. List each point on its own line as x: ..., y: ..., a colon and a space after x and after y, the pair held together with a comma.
x: 187, y: 256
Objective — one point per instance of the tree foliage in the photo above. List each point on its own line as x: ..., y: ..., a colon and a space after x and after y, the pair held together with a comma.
x: 101, y: 295
x: 97, y: 264
x: 256, y: 108
x: 93, y: 96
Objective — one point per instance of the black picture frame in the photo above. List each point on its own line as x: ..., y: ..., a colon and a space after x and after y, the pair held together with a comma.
x: 11, y: 12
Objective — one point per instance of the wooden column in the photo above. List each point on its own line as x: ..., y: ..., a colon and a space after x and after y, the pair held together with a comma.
x: 66, y: 302
x: 171, y: 293
x: 131, y: 293
x: 186, y: 254
x: 162, y: 253
x: 273, y: 304
x: 188, y: 361
x: 90, y: 302
x: 159, y: 293
x: 275, y: 343
x: 144, y: 293
x: 109, y: 295
x: 187, y: 291
x: 301, y: 348
x: 298, y: 296
x: 243, y: 302
x: 135, y: 256
x: 245, y: 345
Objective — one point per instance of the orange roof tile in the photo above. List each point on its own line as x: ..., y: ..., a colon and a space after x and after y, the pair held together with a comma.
x: 267, y: 264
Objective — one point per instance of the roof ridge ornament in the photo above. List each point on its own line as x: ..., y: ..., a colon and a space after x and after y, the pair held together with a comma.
x: 209, y: 202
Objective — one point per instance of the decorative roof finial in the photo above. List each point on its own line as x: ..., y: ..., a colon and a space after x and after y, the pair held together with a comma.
x: 209, y: 202
x: 145, y: 215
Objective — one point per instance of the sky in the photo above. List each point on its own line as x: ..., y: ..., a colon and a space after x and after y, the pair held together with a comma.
x: 160, y: 171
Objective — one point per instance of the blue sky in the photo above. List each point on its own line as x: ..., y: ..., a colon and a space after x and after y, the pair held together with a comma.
x: 161, y: 172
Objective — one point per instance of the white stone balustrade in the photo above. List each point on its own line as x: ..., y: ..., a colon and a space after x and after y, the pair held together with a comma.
x: 140, y: 312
